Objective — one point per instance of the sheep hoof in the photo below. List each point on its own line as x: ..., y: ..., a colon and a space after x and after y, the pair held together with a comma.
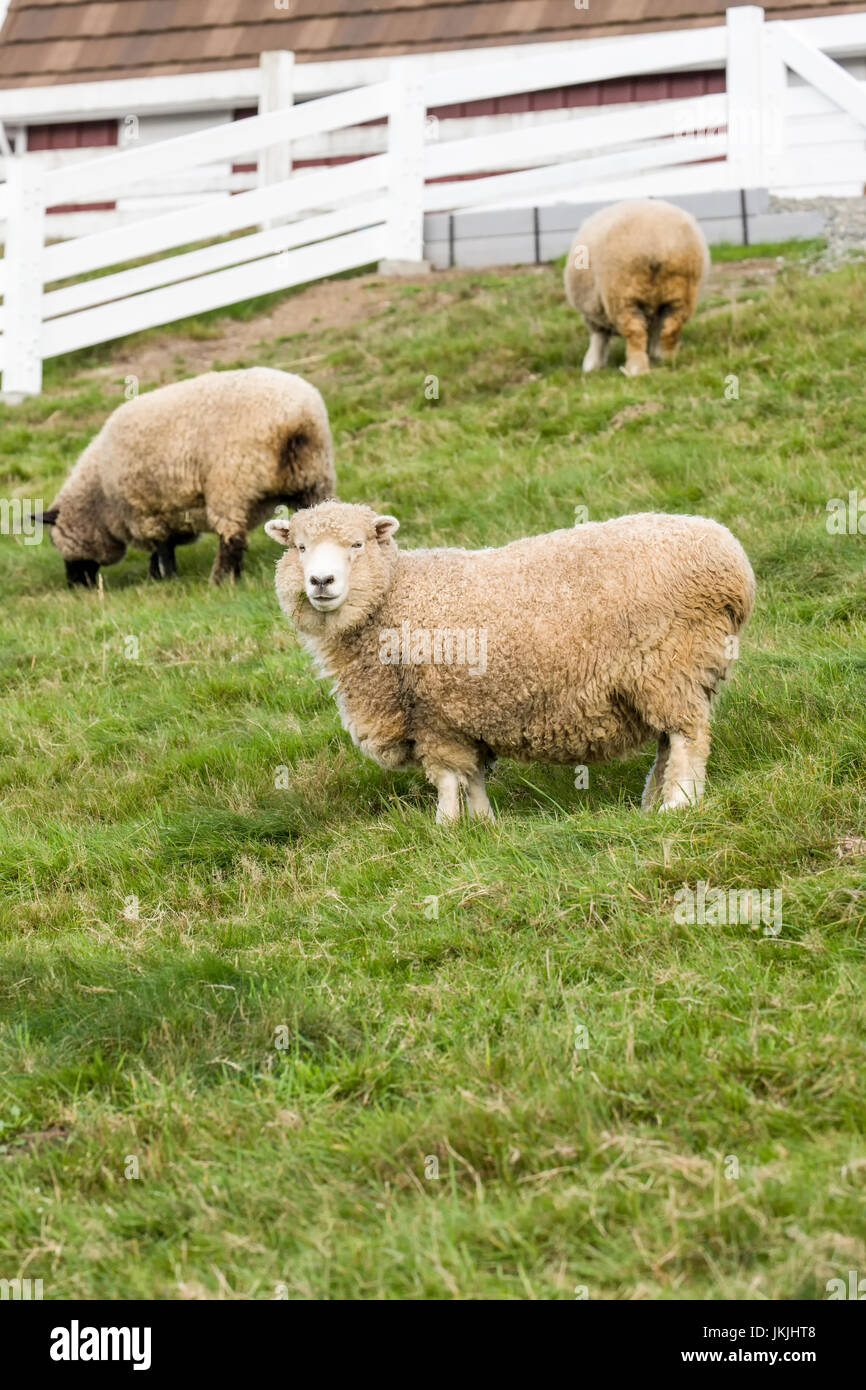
x: 679, y: 800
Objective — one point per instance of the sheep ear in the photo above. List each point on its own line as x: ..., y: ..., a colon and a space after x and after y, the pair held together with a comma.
x: 278, y: 528
x: 386, y: 527
x: 49, y: 518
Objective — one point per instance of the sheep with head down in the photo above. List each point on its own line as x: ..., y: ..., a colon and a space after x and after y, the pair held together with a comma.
x: 572, y: 647
x: 217, y: 453
x: 636, y: 270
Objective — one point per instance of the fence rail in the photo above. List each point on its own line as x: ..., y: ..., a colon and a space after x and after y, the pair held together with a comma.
x: 838, y: 36
x: 301, y: 226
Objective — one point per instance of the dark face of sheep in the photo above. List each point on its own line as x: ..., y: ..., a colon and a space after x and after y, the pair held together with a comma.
x: 337, y: 564
x: 82, y: 564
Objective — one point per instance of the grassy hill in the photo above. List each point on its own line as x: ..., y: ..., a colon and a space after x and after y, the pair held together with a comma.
x: 353, y: 1054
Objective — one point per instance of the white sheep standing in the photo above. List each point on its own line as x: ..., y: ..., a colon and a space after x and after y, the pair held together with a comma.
x: 571, y: 647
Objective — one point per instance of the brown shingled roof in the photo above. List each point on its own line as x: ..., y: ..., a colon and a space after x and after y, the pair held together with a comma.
x: 47, y: 41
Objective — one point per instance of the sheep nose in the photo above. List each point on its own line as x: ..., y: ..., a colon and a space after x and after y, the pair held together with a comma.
x: 321, y: 583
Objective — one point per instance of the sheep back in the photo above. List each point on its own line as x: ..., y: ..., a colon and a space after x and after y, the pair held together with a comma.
x: 595, y: 638
x: 647, y: 253
x: 215, y: 452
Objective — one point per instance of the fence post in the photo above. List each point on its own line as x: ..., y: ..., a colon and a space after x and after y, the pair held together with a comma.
x: 276, y: 93
x: 406, y: 134
x: 25, y: 237
x: 775, y: 131
x: 745, y: 84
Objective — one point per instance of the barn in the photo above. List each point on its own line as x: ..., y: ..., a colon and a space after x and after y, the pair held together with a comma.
x: 77, y: 80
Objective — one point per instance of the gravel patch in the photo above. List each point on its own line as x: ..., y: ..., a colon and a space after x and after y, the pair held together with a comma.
x: 844, y: 226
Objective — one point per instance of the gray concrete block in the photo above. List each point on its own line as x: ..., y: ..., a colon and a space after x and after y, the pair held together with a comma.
x: 554, y: 244
x: 476, y: 252
x: 718, y: 229
x: 436, y: 226
x: 786, y: 226
x: 507, y: 237
x: 757, y: 200
x: 566, y: 217
x: 437, y: 253
x: 725, y: 203
x: 505, y: 222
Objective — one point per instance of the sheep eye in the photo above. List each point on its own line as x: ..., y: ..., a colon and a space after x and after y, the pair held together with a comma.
x: 301, y: 549
x: 357, y: 545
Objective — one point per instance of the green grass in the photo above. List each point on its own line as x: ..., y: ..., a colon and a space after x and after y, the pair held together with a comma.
x: 725, y: 251
x: 289, y: 1005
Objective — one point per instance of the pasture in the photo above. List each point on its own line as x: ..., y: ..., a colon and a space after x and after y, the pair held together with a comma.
x: 265, y: 1029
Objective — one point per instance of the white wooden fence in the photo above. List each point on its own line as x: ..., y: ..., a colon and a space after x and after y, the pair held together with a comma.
x: 313, y: 224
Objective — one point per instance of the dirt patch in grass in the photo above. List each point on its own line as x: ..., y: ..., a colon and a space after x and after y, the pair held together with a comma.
x: 762, y: 270
x: 736, y: 281
x: 633, y: 412
x: 328, y: 304
x: 851, y: 847
x: 26, y: 1144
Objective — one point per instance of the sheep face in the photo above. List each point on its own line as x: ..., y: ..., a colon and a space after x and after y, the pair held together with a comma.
x: 337, y: 564
x: 84, y: 548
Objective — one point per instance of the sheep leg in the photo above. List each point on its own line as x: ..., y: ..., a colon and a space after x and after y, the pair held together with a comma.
x: 684, y: 774
x: 229, y: 562
x: 678, y: 311
x: 653, y: 786
x: 670, y: 333
x: 448, y: 786
x: 162, y: 561
x: 454, y: 766
x: 634, y: 328
x: 596, y: 353
x: 655, y: 333
x: 163, y: 564
x: 476, y: 796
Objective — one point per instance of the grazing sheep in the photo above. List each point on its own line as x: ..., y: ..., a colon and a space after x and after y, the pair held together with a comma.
x: 215, y: 453
x: 572, y: 647
x: 636, y: 269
